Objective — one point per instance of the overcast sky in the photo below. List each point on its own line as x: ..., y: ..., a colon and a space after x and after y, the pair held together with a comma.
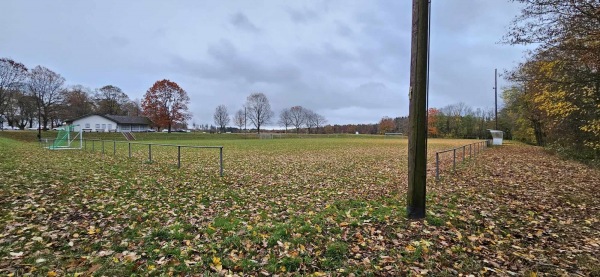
x: 347, y: 60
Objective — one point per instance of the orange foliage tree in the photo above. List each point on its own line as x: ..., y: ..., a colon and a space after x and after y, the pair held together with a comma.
x: 386, y: 125
x: 432, y: 118
x: 165, y: 103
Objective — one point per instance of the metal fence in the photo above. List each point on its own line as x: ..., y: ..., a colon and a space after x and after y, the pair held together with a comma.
x: 473, y: 149
x: 107, y: 145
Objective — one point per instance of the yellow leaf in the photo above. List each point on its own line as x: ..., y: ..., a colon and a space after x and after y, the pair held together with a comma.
x: 533, y: 274
x: 217, y: 263
x: 151, y: 267
x: 410, y: 248
x: 318, y: 228
x: 51, y: 274
x: 92, y: 230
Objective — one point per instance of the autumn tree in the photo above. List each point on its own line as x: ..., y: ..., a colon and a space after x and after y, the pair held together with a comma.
x: 77, y: 102
x: 432, y: 117
x: 47, y: 86
x: 221, y: 117
x: 258, y: 110
x: 239, y: 119
x: 559, y: 84
x: 285, y: 119
x: 110, y: 100
x: 11, y: 74
x: 297, y: 117
x: 386, y: 125
x: 165, y: 103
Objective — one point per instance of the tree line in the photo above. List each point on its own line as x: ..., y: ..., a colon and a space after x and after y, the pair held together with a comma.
x: 257, y: 112
x: 39, y: 96
x: 554, y: 96
x: 451, y: 121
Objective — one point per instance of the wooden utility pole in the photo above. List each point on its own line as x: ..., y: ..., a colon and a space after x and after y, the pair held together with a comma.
x: 417, y: 140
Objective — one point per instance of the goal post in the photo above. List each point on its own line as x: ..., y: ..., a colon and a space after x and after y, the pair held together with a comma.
x: 65, y: 140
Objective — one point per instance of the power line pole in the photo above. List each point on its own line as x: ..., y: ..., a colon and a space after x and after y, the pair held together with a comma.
x: 417, y: 140
x: 496, y: 96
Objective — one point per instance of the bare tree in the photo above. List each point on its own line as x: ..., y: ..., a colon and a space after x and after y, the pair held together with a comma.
x: 309, y: 119
x: 11, y: 73
x: 239, y: 119
x: 21, y: 109
x: 319, y: 121
x: 298, y: 117
x: 133, y: 107
x: 285, y: 119
x: 313, y: 120
x: 259, y: 109
x: 47, y: 86
x: 221, y: 117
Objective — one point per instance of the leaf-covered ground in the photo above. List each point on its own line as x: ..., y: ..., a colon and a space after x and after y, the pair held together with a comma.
x: 293, y: 206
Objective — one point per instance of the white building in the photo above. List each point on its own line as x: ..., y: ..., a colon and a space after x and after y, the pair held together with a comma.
x: 110, y: 123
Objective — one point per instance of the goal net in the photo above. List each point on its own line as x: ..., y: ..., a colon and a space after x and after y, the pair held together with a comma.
x: 67, y: 139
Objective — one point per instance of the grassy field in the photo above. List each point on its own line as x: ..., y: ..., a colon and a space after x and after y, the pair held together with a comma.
x: 314, y: 206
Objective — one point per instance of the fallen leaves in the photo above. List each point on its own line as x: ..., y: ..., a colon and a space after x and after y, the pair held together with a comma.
x: 311, y: 207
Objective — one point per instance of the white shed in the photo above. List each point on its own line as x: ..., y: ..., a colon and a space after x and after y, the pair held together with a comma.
x: 110, y: 123
x: 497, y: 137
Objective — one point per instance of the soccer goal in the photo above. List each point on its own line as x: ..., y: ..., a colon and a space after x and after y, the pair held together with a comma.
x: 66, y: 140
x: 394, y: 135
x: 269, y: 136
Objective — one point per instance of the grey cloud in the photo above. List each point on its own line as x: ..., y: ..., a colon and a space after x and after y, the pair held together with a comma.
x: 348, y: 60
x: 343, y: 30
x: 303, y: 15
x: 242, y: 22
x: 227, y: 64
x: 119, y: 41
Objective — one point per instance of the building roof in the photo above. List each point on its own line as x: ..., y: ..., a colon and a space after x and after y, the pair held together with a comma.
x: 124, y: 119
x: 120, y: 119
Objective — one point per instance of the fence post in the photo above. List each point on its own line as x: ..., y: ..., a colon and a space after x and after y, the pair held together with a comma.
x: 178, y: 156
x: 471, y: 150
x: 437, y: 166
x: 129, y: 144
x: 464, y: 150
x: 102, y: 147
x: 114, y: 147
x: 221, y: 159
x: 93, y: 145
x: 150, y: 152
x: 454, y: 159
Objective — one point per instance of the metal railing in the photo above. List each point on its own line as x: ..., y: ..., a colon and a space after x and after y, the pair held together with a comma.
x: 102, y: 144
x: 473, y: 149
